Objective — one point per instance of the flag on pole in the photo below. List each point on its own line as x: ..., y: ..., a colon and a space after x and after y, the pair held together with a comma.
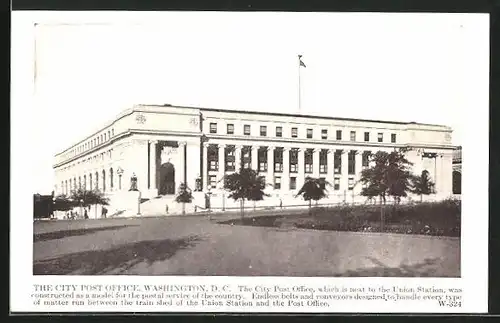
x: 301, y: 63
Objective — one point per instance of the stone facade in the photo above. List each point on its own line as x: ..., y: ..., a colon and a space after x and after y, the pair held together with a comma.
x: 165, y: 145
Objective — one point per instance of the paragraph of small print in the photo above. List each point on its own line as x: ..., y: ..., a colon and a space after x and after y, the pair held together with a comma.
x: 172, y: 297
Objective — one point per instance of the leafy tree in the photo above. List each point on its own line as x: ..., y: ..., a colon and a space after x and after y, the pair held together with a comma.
x: 422, y: 185
x: 83, y: 197
x: 313, y: 189
x: 389, y: 175
x: 184, y: 196
x: 63, y: 203
x: 245, y: 184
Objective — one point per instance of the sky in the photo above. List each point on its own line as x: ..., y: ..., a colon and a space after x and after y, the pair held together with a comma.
x: 401, y: 67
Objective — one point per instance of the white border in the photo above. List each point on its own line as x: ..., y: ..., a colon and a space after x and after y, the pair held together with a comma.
x: 474, y: 103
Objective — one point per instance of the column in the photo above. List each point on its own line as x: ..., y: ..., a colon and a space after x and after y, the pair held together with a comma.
x: 222, y: 160
x: 255, y: 158
x: 182, y: 162
x: 344, y: 179
x: 152, y: 167
x: 315, y: 173
x: 285, y: 178
x: 301, y: 169
x: 270, y: 165
x: 237, y: 157
x: 205, y: 167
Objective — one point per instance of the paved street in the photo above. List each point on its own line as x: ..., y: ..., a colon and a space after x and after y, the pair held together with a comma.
x: 195, y: 245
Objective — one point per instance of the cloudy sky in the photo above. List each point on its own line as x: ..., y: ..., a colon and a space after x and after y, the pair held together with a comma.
x: 403, y: 67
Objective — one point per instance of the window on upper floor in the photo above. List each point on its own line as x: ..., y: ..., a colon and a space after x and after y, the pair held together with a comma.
x: 263, y: 131
x: 353, y: 136
x: 230, y: 129
x: 339, y: 135
x: 213, y: 127
x: 324, y: 133
x: 393, y: 137
x: 294, y: 132
x: 380, y: 137
x: 279, y: 131
x: 309, y: 133
x: 367, y: 136
x: 246, y: 130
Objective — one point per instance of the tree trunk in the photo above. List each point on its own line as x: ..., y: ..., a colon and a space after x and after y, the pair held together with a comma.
x: 242, y: 208
x: 310, y: 211
x: 382, y: 215
x: 95, y: 205
x: 421, y: 198
x: 183, y: 208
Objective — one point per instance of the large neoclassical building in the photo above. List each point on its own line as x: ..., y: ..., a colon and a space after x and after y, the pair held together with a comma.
x: 163, y: 145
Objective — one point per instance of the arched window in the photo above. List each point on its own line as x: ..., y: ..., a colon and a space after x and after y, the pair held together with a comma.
x: 113, y: 132
x: 66, y: 187
x: 69, y: 184
x: 103, y: 180
x: 84, y: 182
x: 90, y: 182
x: 111, y: 178
x: 74, y: 183
x: 62, y: 187
x: 109, y: 134
x: 96, y: 180
x: 79, y: 182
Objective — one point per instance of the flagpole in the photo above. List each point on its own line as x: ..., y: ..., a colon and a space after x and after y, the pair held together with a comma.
x: 300, y: 110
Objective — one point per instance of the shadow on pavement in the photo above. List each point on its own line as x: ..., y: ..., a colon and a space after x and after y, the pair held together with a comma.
x: 71, y: 233
x: 119, y: 259
x: 430, y: 267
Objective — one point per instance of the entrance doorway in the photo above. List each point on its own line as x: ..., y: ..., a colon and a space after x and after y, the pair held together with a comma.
x: 167, y: 179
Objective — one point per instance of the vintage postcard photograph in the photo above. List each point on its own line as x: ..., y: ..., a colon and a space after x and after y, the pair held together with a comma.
x: 297, y: 161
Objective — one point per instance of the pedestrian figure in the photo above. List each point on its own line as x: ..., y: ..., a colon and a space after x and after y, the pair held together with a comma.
x: 166, y: 208
x: 281, y: 204
x: 85, y: 214
x: 104, y: 211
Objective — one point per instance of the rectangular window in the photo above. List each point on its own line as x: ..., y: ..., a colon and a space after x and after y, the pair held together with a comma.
x: 230, y: 129
x: 293, y: 183
x: 294, y: 160
x: 367, y: 136
x: 263, y: 131
x: 353, y: 136
x: 336, y: 183
x: 213, y: 127
x: 323, y: 183
x: 277, y: 182
x: 308, y: 161
x: 279, y: 131
x: 324, y: 133
x: 246, y: 130
x: 339, y: 135
x: 278, y: 160
x: 380, y: 137
x: 337, y: 162
x: 213, y: 165
x: 262, y: 158
x: 350, y: 184
x: 351, y: 165
x: 393, y: 138
x: 230, y: 159
x: 323, y: 161
x: 294, y: 132
x: 309, y: 133
x: 212, y: 180
x: 365, y: 162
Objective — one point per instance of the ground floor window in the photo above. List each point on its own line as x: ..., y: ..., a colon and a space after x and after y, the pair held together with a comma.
x: 277, y: 183
x: 336, y: 183
x: 350, y: 184
x: 212, y: 181
x: 293, y: 183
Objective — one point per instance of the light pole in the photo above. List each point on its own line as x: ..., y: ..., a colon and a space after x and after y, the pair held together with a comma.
x: 81, y: 208
x: 53, y: 205
x: 139, y: 203
x: 119, y: 171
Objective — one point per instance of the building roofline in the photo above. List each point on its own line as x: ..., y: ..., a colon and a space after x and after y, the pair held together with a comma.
x: 313, y: 116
